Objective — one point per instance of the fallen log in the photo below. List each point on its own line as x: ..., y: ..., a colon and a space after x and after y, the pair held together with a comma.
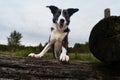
x: 18, y: 68
x: 104, y: 40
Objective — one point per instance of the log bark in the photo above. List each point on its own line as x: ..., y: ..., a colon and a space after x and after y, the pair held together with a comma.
x: 18, y: 68
x: 104, y: 41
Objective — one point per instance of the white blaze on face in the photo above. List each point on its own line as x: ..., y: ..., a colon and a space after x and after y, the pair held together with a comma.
x: 63, y: 25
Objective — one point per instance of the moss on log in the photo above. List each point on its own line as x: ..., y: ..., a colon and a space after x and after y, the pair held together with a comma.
x: 18, y: 68
x: 104, y: 41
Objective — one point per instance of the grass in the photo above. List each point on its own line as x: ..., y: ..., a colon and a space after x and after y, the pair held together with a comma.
x: 79, y: 56
x: 83, y: 57
x: 22, y: 53
x: 48, y: 56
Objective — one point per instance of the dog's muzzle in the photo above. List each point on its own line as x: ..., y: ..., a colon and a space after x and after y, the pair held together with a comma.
x: 61, y: 23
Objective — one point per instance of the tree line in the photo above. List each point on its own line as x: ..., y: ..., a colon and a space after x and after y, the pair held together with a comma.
x: 15, y: 45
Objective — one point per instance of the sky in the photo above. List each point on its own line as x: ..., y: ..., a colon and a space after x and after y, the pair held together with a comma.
x: 33, y: 20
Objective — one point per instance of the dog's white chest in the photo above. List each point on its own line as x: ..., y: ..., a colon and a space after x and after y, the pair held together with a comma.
x: 57, y: 35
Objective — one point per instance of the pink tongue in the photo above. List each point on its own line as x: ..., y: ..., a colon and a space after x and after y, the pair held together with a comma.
x: 61, y: 26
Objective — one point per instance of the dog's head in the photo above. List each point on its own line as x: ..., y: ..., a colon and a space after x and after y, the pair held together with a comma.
x: 61, y: 17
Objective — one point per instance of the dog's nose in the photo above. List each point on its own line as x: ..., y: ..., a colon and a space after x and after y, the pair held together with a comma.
x: 62, y: 21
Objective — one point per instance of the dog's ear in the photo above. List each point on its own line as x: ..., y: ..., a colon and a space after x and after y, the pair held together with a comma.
x: 53, y: 9
x: 71, y: 11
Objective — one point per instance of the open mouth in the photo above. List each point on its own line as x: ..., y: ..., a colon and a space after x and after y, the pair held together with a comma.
x: 61, y: 26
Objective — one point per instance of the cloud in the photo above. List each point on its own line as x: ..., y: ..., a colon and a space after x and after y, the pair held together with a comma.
x: 33, y: 19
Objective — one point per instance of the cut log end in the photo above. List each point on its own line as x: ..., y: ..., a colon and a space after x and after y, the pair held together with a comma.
x: 104, y: 40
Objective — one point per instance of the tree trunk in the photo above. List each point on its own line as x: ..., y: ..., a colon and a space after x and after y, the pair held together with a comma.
x: 18, y: 68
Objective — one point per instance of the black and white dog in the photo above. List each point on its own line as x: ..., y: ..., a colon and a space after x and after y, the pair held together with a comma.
x: 59, y: 33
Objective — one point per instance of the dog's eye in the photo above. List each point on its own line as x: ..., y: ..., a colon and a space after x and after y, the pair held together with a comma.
x: 58, y: 13
x: 65, y: 13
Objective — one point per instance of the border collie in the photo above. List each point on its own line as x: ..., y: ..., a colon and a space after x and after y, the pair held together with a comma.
x: 59, y: 33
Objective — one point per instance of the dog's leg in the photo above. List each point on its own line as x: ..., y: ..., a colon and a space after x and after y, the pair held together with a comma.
x: 53, y: 51
x: 64, y: 56
x: 47, y: 47
x: 57, y: 49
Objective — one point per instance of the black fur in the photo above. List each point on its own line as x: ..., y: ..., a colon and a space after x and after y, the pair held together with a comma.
x: 66, y: 13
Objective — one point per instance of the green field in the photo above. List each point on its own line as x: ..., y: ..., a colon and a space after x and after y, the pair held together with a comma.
x: 48, y: 56
x: 79, y: 56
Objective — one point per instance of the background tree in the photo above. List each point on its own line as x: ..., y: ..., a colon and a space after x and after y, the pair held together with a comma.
x: 76, y: 49
x: 14, y: 40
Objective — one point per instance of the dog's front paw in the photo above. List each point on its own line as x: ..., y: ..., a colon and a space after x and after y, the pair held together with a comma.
x: 35, y: 55
x: 64, y: 57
